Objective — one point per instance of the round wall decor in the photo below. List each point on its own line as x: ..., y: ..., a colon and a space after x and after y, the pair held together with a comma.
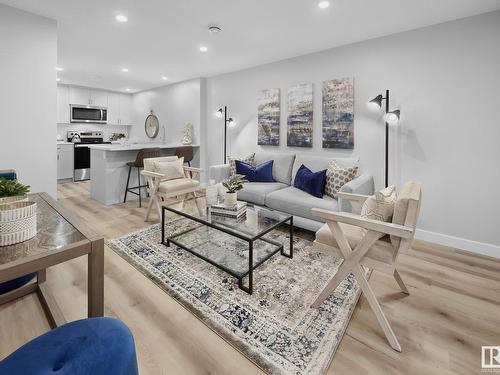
x: 152, y: 125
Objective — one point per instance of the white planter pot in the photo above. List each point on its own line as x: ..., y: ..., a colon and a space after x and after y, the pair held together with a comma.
x: 230, y: 199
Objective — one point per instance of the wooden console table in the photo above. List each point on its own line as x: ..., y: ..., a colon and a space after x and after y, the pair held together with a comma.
x: 61, y: 236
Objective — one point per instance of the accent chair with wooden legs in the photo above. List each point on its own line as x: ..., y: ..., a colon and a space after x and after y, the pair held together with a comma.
x: 161, y: 186
x: 370, y: 243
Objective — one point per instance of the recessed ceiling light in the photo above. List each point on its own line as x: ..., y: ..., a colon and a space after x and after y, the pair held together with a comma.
x: 164, y: 78
x: 121, y: 18
x: 323, y: 4
x: 214, y: 29
x: 203, y: 49
x: 59, y: 69
x: 124, y: 70
x: 127, y: 89
x: 58, y: 79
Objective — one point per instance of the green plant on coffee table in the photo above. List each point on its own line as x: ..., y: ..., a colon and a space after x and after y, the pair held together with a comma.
x: 234, y: 183
x: 10, y: 188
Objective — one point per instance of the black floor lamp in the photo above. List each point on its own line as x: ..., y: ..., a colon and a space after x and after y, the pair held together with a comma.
x: 390, y: 117
x: 222, y: 112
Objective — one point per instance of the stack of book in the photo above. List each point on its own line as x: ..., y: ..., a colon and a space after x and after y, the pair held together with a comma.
x: 237, y: 211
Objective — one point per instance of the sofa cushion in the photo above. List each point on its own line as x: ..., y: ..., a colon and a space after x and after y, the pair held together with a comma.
x: 255, y: 192
x: 318, y: 163
x: 310, y: 182
x: 258, y: 173
x: 178, y: 184
x: 299, y: 203
x: 282, y: 166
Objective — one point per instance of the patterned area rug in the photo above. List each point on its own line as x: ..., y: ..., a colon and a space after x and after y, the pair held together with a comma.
x: 274, y: 327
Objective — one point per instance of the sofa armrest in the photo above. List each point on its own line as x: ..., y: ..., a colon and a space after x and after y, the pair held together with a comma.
x: 219, y: 172
x: 362, y: 184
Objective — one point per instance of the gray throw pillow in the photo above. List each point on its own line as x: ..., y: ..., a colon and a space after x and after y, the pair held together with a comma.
x: 337, y: 176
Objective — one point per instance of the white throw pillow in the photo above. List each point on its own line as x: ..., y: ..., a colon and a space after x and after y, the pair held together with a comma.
x: 380, y: 206
x: 337, y: 176
x: 171, y: 169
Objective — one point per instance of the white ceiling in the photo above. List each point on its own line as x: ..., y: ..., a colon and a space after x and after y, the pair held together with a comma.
x: 162, y: 37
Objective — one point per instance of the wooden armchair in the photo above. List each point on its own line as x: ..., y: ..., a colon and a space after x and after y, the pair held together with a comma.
x: 376, y: 245
x: 160, y: 188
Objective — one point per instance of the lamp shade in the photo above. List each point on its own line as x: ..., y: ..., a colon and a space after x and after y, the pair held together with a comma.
x: 393, y: 116
x: 377, y: 101
x: 219, y: 113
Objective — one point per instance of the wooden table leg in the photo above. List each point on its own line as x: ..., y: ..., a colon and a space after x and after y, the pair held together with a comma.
x: 52, y: 310
x: 41, y: 276
x: 96, y: 279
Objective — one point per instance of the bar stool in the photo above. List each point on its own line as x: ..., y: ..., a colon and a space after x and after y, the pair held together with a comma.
x: 144, y: 153
x: 186, y: 152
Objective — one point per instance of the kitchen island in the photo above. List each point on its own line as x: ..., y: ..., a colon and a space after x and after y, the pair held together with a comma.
x: 109, y: 170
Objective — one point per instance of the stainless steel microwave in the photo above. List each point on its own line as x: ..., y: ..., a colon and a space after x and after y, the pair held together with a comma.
x: 88, y: 114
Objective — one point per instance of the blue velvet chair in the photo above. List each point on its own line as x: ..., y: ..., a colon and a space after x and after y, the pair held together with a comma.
x: 95, y: 346
x: 10, y: 174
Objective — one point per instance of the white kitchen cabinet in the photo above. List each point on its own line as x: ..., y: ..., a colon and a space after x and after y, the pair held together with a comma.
x: 62, y: 104
x: 79, y: 95
x: 86, y: 96
x: 113, y: 108
x: 99, y: 98
x: 119, y: 109
x: 125, y: 109
x: 65, y: 164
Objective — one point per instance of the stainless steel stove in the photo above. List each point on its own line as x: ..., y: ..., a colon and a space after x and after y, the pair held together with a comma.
x: 81, y: 140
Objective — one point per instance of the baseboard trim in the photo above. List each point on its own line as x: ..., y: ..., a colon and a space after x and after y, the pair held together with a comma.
x: 459, y: 243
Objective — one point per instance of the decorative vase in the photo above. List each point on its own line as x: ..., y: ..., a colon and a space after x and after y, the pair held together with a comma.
x: 17, y: 222
x: 230, y: 199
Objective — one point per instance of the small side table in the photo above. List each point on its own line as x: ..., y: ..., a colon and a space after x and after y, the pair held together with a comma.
x: 61, y: 236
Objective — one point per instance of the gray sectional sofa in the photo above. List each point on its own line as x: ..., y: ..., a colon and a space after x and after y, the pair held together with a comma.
x: 283, y: 196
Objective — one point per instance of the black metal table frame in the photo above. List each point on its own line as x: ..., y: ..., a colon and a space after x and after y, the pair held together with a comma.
x: 250, y: 241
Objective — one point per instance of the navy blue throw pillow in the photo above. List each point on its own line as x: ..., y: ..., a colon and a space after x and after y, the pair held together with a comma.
x: 310, y: 182
x: 260, y: 173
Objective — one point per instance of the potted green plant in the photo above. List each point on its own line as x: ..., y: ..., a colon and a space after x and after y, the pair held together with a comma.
x: 232, y: 185
x: 12, y: 191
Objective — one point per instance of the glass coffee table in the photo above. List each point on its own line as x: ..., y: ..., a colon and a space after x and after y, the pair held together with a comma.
x: 237, y: 247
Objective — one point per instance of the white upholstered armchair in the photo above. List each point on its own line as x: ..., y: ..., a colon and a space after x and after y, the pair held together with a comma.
x: 168, y: 180
x: 370, y: 243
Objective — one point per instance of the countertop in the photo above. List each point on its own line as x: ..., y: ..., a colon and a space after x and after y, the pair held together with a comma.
x: 64, y: 143
x: 135, y: 146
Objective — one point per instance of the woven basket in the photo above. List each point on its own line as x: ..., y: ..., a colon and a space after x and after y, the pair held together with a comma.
x: 15, y: 198
x: 17, y: 222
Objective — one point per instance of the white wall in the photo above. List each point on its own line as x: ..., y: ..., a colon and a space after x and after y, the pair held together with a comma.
x: 28, y: 57
x: 445, y: 79
x: 175, y: 105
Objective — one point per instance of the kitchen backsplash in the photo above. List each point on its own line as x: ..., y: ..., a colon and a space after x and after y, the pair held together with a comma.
x: 108, y: 130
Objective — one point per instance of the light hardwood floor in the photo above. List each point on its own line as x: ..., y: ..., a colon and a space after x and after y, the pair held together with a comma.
x: 453, y: 308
